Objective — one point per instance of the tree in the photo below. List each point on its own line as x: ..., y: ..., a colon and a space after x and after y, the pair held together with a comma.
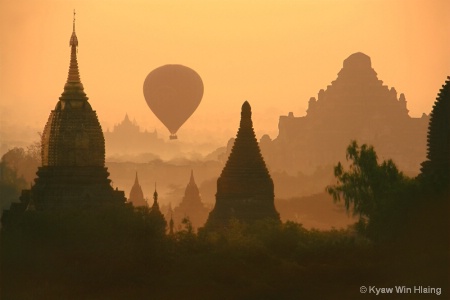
x: 375, y: 192
x: 17, y: 171
x: 10, y: 185
x: 24, y: 162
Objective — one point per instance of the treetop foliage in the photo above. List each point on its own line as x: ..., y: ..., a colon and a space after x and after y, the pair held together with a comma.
x: 374, y: 191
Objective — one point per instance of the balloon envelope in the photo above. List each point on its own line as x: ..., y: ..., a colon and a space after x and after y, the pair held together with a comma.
x: 173, y: 93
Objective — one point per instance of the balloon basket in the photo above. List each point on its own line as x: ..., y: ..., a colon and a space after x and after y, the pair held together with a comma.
x: 173, y: 137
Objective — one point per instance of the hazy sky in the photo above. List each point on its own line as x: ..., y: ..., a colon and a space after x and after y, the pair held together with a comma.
x: 275, y: 54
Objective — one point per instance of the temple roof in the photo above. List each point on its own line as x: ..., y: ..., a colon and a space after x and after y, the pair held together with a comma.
x: 358, y: 60
x: 245, y: 155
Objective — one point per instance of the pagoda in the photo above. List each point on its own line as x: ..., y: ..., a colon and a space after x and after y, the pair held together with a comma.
x: 73, y: 172
x: 245, y: 189
x: 136, y: 194
x: 191, y: 205
x: 156, y: 215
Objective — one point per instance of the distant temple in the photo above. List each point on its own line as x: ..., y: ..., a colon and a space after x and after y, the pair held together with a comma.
x: 136, y: 194
x: 73, y: 173
x: 127, y: 138
x: 356, y: 106
x: 191, y: 205
x: 245, y: 190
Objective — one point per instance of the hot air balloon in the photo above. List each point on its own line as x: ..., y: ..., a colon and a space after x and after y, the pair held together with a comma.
x: 173, y: 93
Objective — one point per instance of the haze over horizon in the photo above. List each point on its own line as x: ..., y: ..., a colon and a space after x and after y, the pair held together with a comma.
x: 276, y: 55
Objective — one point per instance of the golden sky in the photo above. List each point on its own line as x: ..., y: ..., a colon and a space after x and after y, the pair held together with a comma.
x: 275, y: 54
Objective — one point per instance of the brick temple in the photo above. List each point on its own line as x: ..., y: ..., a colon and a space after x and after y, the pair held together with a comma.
x: 245, y: 189
x: 73, y: 172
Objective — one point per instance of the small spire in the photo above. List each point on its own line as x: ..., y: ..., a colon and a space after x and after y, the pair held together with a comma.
x: 155, y: 195
x: 192, y: 181
x: 136, y: 180
x: 73, y: 38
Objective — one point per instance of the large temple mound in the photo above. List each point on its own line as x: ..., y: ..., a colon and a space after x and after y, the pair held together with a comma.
x: 355, y: 106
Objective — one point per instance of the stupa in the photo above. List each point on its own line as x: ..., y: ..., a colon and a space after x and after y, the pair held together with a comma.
x: 245, y: 189
x: 136, y: 194
x: 191, y: 205
x: 73, y: 172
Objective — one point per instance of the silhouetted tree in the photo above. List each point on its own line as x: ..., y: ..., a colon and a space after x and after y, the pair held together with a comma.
x: 375, y: 192
x: 436, y: 170
x: 24, y: 162
x: 17, y: 171
x: 10, y: 185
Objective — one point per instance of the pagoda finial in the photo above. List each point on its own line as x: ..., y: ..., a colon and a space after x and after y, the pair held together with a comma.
x: 73, y: 38
x: 136, y: 180
x: 155, y: 195
x: 246, y: 116
x: 73, y: 89
x: 192, y: 181
x: 246, y: 110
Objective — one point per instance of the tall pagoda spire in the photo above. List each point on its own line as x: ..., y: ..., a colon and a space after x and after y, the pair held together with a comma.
x: 73, y: 89
x: 192, y: 180
x: 73, y: 173
x: 245, y: 189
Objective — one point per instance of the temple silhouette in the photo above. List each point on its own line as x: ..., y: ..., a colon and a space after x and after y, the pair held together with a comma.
x: 245, y: 189
x: 191, y: 205
x: 156, y: 215
x: 436, y: 169
x: 355, y: 106
x: 136, y: 194
x: 73, y: 172
x: 127, y: 137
